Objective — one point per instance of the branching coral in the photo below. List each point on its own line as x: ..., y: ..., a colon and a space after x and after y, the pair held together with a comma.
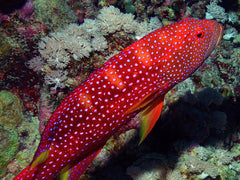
x: 76, y: 42
x: 216, y: 12
x: 55, y: 14
x: 109, y: 25
x: 56, y: 78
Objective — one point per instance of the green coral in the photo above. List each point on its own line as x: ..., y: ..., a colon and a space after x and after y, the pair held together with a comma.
x: 55, y: 14
x: 5, y: 49
x: 10, y: 110
x: 8, y: 148
x: 227, y: 174
x: 129, y: 6
x: 235, y: 150
x: 10, y: 116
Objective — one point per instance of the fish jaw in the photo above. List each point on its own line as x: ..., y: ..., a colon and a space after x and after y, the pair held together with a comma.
x: 216, y: 31
x: 220, y: 35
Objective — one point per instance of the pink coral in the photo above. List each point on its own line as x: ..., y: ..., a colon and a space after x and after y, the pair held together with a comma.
x: 27, y: 10
x: 28, y: 32
x: 4, y: 18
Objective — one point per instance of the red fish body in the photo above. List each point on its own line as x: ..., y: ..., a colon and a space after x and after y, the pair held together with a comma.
x: 133, y: 81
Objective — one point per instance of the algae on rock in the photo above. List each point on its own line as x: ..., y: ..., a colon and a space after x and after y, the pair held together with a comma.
x: 10, y: 116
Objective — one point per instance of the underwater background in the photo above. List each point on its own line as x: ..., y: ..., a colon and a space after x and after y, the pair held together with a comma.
x: 48, y: 47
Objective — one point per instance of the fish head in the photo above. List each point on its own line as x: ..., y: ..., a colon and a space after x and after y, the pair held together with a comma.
x: 192, y: 41
x: 202, y: 37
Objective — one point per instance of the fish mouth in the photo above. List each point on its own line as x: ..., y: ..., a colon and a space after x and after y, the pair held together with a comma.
x: 217, y: 40
x: 220, y: 35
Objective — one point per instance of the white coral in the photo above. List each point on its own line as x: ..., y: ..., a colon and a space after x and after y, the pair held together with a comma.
x: 56, y: 78
x: 154, y: 23
x: 73, y: 30
x: 142, y: 30
x: 36, y: 63
x: 232, y: 17
x: 58, y: 47
x: 60, y: 61
x: 78, y: 46
x: 99, y: 43
x: 229, y: 33
x: 91, y: 27
x: 129, y: 25
x: 76, y: 42
x: 145, y: 28
x: 216, y: 12
x: 109, y: 19
x: 52, y: 49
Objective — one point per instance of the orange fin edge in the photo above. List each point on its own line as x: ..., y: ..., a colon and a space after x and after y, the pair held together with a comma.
x: 142, y: 104
x: 150, y: 108
x: 149, y: 117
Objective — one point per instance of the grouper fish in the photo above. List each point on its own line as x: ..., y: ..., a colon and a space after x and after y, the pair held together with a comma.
x: 132, y: 82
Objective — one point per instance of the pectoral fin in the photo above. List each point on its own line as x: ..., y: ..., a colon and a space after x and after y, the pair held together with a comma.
x: 142, y: 104
x: 149, y: 117
x: 150, y: 108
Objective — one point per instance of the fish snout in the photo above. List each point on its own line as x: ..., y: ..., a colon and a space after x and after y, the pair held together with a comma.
x: 220, y: 34
x: 215, y: 31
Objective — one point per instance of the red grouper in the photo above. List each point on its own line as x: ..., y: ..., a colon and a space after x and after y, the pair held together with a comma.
x: 131, y: 82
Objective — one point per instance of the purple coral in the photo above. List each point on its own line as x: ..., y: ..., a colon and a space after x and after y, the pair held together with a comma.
x: 27, y: 10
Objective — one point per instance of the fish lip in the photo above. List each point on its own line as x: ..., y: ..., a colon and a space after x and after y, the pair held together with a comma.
x: 214, y: 44
x: 220, y: 35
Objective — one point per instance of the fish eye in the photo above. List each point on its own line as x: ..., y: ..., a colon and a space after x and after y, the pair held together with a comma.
x: 200, y: 34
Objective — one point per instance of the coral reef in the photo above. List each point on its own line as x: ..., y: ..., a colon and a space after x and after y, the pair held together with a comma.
x: 45, y: 110
x: 55, y: 14
x: 5, y: 49
x: 76, y: 42
x: 15, y: 131
x: 10, y: 117
x: 150, y: 166
x: 26, y: 11
x: 8, y: 148
x: 197, y: 136
x: 216, y: 12
x: 230, y: 33
x: 10, y: 110
x: 29, y: 138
